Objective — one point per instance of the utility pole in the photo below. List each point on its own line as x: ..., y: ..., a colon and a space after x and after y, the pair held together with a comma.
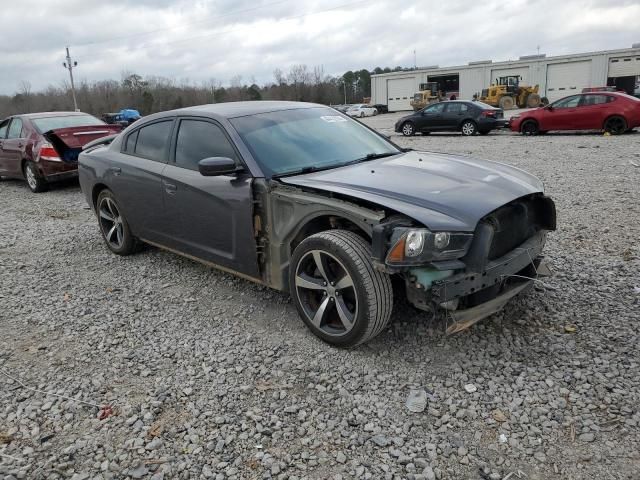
x: 415, y: 60
x: 70, y: 66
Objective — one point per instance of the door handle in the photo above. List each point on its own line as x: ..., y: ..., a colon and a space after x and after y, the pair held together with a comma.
x: 115, y: 170
x: 170, y: 188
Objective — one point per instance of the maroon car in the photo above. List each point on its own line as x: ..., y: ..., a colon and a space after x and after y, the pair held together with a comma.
x: 44, y: 147
x: 612, y: 112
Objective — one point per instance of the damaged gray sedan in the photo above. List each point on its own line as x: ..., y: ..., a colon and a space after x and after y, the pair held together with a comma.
x: 303, y: 199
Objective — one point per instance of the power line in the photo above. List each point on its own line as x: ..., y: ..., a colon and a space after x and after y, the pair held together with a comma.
x: 151, y: 32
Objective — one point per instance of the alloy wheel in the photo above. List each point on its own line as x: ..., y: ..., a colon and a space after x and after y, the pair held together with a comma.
x: 326, y: 293
x: 111, y: 223
x: 407, y: 129
x: 468, y: 128
x: 31, y: 177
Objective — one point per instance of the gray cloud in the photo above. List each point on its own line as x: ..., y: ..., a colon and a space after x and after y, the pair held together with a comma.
x: 200, y: 40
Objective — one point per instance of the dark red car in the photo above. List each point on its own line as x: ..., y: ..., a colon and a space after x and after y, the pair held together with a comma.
x: 613, y: 112
x: 44, y: 147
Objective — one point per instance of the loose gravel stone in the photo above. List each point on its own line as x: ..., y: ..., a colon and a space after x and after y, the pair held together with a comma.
x: 211, y: 376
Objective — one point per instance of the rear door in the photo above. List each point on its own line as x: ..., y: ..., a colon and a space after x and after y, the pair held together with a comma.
x: 135, y: 177
x: 13, y: 147
x: 593, y: 109
x: 563, y: 116
x: 209, y: 217
x: 453, y: 115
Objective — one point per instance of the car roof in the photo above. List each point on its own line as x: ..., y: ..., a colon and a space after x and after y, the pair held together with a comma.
x: 240, y: 109
x: 50, y: 114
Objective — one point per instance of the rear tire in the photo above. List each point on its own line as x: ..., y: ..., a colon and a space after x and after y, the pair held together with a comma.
x: 529, y: 127
x: 113, y: 225
x: 615, y: 125
x: 468, y: 128
x: 506, y: 102
x: 341, y: 298
x: 408, y: 129
x: 35, y: 181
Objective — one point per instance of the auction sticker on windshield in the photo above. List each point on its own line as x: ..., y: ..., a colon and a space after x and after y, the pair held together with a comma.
x: 333, y: 118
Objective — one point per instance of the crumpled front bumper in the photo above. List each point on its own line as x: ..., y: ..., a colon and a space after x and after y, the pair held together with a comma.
x: 501, y: 274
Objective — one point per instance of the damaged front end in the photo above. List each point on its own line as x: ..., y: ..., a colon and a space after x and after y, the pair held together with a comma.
x: 468, y: 275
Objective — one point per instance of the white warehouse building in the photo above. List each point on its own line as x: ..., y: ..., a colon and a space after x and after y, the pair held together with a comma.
x: 557, y: 77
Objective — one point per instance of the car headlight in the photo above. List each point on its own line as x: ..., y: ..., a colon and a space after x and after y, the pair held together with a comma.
x: 413, y: 246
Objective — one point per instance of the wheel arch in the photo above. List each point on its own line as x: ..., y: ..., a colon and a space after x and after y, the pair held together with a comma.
x: 95, y: 192
x: 527, y: 120
x: 614, y: 115
x: 323, y: 221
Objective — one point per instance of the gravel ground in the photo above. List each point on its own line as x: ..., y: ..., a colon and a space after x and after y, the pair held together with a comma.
x: 209, y: 376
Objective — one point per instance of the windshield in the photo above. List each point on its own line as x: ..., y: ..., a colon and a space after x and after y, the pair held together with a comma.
x: 44, y: 124
x: 292, y: 141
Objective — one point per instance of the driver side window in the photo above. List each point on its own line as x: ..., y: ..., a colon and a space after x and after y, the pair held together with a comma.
x: 434, y: 109
x: 569, y: 102
x: 199, y: 139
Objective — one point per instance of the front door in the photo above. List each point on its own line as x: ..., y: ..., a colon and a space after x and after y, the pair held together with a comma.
x: 563, y: 114
x: 209, y: 217
x: 431, y: 117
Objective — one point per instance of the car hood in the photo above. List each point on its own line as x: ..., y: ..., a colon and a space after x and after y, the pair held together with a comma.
x: 442, y: 192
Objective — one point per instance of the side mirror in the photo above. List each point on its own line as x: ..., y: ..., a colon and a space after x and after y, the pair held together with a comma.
x: 548, y: 107
x: 213, y: 166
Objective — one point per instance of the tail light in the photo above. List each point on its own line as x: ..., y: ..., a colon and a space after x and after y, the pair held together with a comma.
x: 47, y: 152
x: 489, y: 113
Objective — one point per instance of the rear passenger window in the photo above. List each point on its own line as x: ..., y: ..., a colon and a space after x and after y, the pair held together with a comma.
x: 15, y: 129
x: 152, y: 140
x: 199, y: 139
x: 3, y: 128
x: 130, y: 146
x: 589, y: 100
x: 457, y: 108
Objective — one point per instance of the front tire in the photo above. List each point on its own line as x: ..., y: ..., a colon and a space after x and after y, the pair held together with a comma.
x: 468, y: 128
x: 35, y: 181
x: 341, y: 298
x: 615, y: 125
x: 113, y: 225
x: 529, y: 127
x: 408, y: 129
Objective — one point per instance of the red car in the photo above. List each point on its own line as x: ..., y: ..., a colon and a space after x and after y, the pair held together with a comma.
x: 613, y: 112
x: 44, y: 147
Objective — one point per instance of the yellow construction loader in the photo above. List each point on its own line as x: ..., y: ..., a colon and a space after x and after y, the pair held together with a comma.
x: 428, y: 94
x: 508, y: 93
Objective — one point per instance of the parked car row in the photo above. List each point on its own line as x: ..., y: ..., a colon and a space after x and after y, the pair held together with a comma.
x: 613, y: 112
x: 361, y: 109
x: 303, y: 199
x: 44, y: 147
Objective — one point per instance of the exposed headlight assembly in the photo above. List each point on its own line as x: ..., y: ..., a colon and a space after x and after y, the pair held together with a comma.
x: 412, y: 246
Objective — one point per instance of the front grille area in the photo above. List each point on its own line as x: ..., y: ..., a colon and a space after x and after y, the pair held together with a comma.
x: 517, y: 221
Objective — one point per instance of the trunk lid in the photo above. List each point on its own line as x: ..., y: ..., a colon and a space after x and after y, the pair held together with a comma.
x: 68, y: 142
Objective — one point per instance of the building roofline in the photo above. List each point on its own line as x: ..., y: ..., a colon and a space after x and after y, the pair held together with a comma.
x: 513, y: 62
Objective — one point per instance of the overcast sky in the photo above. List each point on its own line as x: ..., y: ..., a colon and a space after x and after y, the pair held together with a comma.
x: 201, y: 40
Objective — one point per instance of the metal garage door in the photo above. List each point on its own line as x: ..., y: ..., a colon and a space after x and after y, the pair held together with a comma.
x: 565, y: 79
x: 504, y: 72
x: 399, y: 93
x: 624, y: 66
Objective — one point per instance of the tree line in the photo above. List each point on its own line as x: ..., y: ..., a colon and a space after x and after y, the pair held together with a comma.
x: 155, y: 94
